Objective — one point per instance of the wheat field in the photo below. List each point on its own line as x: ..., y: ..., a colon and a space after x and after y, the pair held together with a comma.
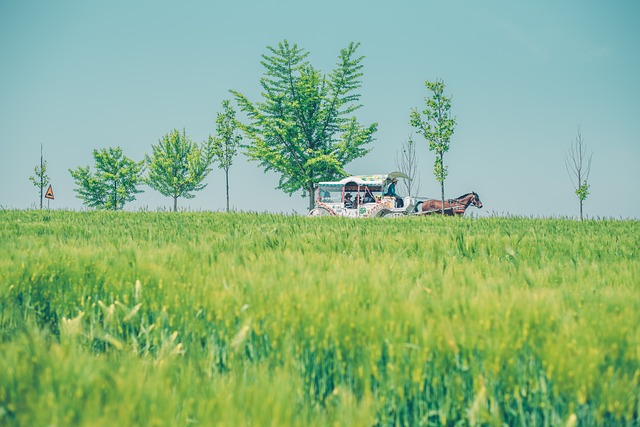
x: 165, y: 319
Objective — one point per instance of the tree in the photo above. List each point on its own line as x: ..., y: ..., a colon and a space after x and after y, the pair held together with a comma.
x: 407, y: 163
x: 178, y: 166
x: 304, y: 128
x: 226, y: 141
x: 437, y: 128
x: 40, y: 179
x: 579, y: 167
x: 114, y: 182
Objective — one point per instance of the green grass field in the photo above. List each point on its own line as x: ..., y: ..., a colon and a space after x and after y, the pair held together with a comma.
x: 163, y: 319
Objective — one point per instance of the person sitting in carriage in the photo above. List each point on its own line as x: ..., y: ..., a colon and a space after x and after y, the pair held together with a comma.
x: 368, y: 196
x: 348, y: 203
x: 391, y: 191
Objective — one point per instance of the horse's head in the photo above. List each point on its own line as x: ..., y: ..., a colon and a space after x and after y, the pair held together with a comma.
x: 475, y: 200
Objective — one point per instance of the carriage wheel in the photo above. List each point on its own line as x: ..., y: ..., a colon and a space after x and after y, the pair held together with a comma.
x: 319, y: 212
x: 382, y: 213
x: 395, y: 215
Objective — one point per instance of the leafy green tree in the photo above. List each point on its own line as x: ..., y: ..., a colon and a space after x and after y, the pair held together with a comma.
x: 578, y: 166
x: 437, y: 128
x: 178, y: 166
x: 40, y: 179
x: 304, y: 128
x: 114, y: 182
x: 226, y: 141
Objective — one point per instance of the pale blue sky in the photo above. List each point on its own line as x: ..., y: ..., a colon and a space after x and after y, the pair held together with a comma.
x: 79, y: 75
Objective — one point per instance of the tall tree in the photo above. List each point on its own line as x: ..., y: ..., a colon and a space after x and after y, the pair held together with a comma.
x: 407, y: 163
x: 226, y: 141
x: 437, y: 128
x: 578, y: 166
x: 304, y: 128
x: 40, y: 178
x: 114, y: 182
x: 178, y: 166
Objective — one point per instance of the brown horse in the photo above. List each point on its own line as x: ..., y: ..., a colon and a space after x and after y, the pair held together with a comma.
x: 451, y: 207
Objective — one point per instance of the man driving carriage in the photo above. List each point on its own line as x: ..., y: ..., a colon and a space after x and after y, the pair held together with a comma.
x: 391, y: 191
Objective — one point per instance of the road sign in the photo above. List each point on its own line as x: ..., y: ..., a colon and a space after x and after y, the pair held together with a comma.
x: 49, y: 194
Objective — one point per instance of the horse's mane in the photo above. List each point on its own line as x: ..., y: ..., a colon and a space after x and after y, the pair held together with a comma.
x: 463, y: 196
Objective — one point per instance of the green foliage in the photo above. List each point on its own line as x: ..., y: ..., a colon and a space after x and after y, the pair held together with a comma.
x: 226, y: 141
x: 227, y: 138
x: 177, y: 166
x: 304, y: 128
x: 246, y: 319
x: 114, y: 182
x: 40, y: 178
x: 583, y: 191
x: 578, y: 165
x: 437, y: 127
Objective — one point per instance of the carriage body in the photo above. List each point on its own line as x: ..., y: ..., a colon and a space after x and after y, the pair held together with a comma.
x: 366, y: 197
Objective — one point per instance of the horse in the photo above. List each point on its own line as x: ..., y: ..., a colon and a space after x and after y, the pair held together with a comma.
x: 455, y: 206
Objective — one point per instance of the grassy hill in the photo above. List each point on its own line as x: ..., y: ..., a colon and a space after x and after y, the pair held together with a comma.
x: 245, y: 319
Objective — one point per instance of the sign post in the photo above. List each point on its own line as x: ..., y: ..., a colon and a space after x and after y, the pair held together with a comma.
x: 49, y: 195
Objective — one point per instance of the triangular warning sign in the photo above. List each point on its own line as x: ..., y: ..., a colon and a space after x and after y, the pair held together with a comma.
x: 49, y: 194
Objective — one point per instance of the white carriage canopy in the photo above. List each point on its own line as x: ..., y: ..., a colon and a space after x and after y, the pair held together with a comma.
x: 358, y: 186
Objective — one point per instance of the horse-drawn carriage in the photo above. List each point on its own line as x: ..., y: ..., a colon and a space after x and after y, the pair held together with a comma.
x: 366, y: 196
x: 360, y: 196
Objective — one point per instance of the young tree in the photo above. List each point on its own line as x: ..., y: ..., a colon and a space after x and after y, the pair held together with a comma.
x: 437, y: 128
x: 114, y: 182
x: 578, y: 167
x: 304, y: 128
x: 178, y: 166
x: 40, y: 179
x: 407, y: 163
x: 226, y: 141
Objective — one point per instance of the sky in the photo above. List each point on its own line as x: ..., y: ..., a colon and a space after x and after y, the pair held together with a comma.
x: 523, y: 76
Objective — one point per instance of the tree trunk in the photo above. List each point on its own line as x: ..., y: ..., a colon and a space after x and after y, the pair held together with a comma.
x: 311, y: 196
x: 442, y: 183
x: 175, y: 203
x: 226, y: 176
x: 41, y: 177
x: 580, y: 194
